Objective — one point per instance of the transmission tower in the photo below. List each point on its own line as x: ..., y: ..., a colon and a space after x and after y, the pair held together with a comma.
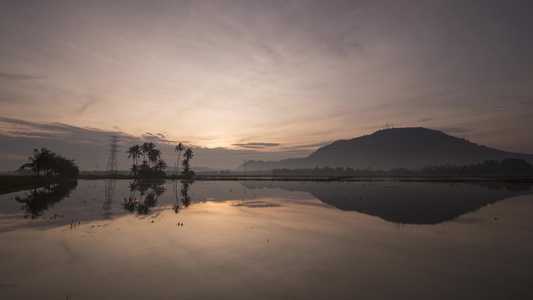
x: 112, y: 162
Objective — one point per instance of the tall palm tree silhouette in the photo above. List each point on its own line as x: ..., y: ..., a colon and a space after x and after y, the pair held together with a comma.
x: 154, y: 156
x: 179, y: 148
x: 188, y: 154
x: 186, y: 166
x: 146, y: 149
x: 134, y: 152
x: 38, y: 161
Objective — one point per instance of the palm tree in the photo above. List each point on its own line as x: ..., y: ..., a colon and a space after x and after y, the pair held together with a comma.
x: 135, y: 153
x: 179, y: 148
x: 154, y: 156
x: 50, y: 163
x: 38, y: 162
x: 160, y: 165
x: 146, y: 148
x: 186, y: 166
x: 188, y: 154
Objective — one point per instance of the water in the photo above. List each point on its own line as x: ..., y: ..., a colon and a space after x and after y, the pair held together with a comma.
x: 267, y: 240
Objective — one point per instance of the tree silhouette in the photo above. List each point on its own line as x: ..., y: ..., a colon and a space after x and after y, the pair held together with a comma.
x: 50, y: 163
x: 134, y: 152
x: 146, y: 148
x: 187, y: 172
x: 154, y: 167
x: 179, y: 149
x: 37, y: 162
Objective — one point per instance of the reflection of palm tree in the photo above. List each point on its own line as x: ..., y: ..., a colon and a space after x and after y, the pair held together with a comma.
x: 186, y: 199
x: 179, y: 148
x: 40, y: 199
x: 149, y: 192
x: 184, y: 193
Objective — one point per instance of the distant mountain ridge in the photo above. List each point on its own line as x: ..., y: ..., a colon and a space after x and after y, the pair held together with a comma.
x: 385, y: 149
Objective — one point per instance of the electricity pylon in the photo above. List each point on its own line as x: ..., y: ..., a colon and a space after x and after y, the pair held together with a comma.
x: 112, y: 162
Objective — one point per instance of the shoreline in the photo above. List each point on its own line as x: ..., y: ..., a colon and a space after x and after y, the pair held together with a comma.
x: 15, y: 183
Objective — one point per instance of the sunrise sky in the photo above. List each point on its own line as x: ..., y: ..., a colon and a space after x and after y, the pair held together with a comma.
x: 258, y: 79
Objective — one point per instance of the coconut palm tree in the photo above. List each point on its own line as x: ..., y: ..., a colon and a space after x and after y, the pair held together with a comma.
x: 146, y: 148
x: 188, y: 154
x: 50, y: 163
x: 160, y: 165
x: 134, y: 152
x: 179, y: 148
x: 186, y: 166
x: 154, y: 156
x: 38, y: 162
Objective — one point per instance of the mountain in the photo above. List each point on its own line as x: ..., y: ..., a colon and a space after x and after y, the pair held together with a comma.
x: 410, y: 148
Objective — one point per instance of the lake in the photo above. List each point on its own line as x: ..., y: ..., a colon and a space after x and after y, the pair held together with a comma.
x: 388, y: 239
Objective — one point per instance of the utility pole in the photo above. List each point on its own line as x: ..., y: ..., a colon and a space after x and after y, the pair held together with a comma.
x: 112, y: 162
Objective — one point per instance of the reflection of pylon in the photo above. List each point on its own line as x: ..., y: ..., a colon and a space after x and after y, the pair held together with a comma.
x: 109, y: 193
x: 112, y: 162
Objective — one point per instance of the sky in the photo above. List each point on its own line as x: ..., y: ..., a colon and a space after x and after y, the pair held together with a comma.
x: 262, y: 80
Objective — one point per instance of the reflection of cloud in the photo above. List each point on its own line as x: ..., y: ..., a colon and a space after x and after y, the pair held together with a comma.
x: 256, y: 145
x: 257, y: 204
x: 13, y: 76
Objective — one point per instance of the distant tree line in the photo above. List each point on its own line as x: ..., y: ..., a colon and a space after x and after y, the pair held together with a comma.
x: 323, y: 171
x: 506, y: 167
x: 50, y: 163
x: 510, y: 166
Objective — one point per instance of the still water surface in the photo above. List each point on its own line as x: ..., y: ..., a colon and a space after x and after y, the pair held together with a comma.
x: 267, y: 240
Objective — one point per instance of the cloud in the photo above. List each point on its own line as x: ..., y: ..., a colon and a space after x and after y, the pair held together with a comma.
x: 305, y: 148
x: 20, y: 128
x: 256, y: 145
x: 455, y: 130
x: 157, y: 137
x: 14, y: 76
x: 425, y: 120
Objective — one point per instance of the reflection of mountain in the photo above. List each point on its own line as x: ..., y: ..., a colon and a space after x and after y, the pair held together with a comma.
x: 405, y: 202
x: 41, y: 199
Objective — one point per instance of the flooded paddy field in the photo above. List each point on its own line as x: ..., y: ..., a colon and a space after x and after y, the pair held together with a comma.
x: 123, y: 239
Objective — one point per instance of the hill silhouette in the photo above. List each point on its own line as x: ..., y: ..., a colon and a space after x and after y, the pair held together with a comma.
x: 385, y: 149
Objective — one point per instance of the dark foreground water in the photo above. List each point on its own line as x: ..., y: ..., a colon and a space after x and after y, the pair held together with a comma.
x: 267, y: 240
